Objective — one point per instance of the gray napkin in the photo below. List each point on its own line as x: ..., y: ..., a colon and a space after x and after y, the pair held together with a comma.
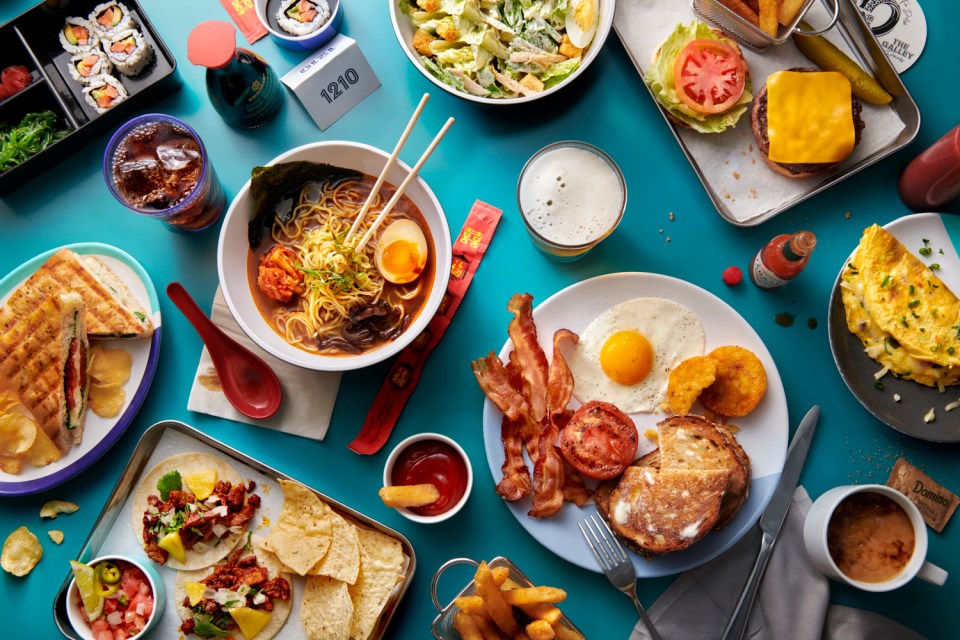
x: 793, y: 601
x: 308, y: 396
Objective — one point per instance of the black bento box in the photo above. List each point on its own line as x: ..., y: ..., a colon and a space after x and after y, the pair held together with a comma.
x: 32, y: 40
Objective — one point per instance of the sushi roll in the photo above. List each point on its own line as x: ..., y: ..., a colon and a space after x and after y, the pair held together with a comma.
x: 78, y: 35
x: 104, y: 93
x: 109, y: 19
x: 302, y: 17
x: 129, y: 52
x: 87, y: 65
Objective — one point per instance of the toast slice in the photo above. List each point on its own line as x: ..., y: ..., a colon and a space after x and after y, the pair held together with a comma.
x: 111, y: 310
x: 43, y: 359
x: 664, y: 510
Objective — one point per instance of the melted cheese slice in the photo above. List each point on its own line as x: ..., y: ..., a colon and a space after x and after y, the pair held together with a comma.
x: 809, y: 117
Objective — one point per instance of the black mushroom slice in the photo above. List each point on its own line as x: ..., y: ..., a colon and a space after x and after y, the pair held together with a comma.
x: 370, y: 323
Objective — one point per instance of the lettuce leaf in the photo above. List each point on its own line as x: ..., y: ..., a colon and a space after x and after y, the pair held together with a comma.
x: 659, y: 77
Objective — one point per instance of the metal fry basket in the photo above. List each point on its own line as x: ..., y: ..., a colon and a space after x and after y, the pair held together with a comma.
x: 750, y: 35
x: 443, y: 628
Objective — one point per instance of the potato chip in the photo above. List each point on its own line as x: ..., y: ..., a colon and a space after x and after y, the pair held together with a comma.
x: 11, y: 465
x: 43, y: 451
x: 109, y: 365
x: 302, y: 533
x: 327, y: 611
x: 53, y: 508
x: 56, y: 535
x: 17, y: 434
x: 21, y: 552
x: 381, y: 558
x: 342, y: 560
x: 7, y: 402
x: 106, y: 399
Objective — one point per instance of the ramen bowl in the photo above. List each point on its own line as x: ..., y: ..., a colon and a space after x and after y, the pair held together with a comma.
x: 404, y: 30
x: 233, y: 251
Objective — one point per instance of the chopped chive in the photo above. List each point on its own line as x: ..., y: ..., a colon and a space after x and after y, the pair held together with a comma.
x: 885, y: 281
x: 925, y: 251
x: 913, y: 303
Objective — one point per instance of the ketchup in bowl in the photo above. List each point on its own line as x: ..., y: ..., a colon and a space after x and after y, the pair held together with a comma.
x: 436, y: 463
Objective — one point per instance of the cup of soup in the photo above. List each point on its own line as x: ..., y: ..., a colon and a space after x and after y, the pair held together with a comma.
x: 431, y: 458
x: 869, y: 536
x: 571, y: 196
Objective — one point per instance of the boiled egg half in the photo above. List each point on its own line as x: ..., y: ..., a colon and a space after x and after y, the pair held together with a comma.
x: 581, y: 22
x: 625, y: 354
x: 402, y: 252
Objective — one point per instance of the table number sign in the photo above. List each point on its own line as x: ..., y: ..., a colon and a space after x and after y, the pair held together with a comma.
x: 333, y: 80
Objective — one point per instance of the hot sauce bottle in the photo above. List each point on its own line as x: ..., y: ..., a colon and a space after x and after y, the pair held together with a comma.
x: 242, y: 87
x: 782, y: 259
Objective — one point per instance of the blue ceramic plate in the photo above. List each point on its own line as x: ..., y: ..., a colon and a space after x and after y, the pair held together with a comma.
x: 763, y: 433
x: 99, y: 434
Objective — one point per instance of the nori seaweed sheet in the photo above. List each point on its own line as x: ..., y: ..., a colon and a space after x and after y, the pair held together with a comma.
x: 275, y: 190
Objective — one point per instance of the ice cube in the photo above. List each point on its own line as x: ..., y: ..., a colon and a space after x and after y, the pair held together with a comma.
x: 176, y: 158
x: 141, y: 183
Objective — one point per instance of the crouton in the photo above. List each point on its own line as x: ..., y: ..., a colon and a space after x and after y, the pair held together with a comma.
x: 429, y: 5
x: 567, y: 48
x: 532, y: 82
x: 447, y: 29
x: 421, y: 42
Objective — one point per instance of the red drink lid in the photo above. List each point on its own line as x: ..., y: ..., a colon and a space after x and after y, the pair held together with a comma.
x: 212, y: 44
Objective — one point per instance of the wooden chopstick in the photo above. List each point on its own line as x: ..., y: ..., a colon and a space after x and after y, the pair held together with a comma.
x: 403, y: 185
x: 386, y: 168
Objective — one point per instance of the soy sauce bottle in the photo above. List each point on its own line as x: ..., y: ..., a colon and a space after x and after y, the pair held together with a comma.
x: 243, y: 88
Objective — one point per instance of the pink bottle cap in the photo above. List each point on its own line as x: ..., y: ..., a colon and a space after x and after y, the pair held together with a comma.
x: 212, y: 44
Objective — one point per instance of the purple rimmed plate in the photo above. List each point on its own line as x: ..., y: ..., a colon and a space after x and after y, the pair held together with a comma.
x: 99, y: 434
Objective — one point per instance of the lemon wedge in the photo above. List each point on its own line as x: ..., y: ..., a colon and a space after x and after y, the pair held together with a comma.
x: 201, y: 483
x: 86, y: 579
x: 250, y: 621
x: 172, y: 544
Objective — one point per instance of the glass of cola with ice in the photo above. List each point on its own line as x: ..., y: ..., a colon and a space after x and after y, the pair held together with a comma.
x: 157, y: 166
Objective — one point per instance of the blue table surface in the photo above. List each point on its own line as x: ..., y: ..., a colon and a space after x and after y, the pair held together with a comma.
x: 481, y: 158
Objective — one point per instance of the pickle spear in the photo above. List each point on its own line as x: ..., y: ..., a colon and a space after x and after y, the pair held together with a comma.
x: 829, y: 58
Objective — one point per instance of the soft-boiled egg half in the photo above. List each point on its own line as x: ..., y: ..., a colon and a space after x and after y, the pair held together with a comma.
x: 401, y: 253
x: 581, y: 22
x: 625, y: 354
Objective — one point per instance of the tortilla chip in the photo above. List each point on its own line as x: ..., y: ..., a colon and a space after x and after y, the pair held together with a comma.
x: 109, y: 365
x: 302, y: 533
x: 381, y: 558
x: 342, y: 561
x: 327, y: 611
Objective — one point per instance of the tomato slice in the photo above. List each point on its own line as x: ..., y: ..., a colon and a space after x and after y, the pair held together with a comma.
x: 709, y: 75
x: 600, y: 441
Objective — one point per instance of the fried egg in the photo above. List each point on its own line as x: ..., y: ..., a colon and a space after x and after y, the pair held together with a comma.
x: 625, y: 354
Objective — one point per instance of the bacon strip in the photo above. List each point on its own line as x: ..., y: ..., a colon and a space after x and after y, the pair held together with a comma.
x: 528, y: 357
x: 574, y: 489
x: 516, y: 477
x: 560, y: 380
x: 547, y: 475
x: 494, y: 379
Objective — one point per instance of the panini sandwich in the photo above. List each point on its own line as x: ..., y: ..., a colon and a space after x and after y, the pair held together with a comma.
x: 111, y: 309
x: 43, y: 359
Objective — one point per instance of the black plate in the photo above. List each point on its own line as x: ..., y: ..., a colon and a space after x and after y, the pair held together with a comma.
x: 33, y: 39
x: 857, y: 369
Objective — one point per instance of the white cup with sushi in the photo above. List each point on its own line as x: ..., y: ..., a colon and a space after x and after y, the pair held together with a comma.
x: 300, y: 25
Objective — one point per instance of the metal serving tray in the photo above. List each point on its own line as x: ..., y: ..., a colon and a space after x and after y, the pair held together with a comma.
x: 32, y: 39
x: 171, y: 437
x: 865, y: 49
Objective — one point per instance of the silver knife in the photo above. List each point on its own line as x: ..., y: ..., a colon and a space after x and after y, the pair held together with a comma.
x: 772, y: 520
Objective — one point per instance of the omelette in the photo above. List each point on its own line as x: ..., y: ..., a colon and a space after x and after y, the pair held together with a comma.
x: 905, y: 316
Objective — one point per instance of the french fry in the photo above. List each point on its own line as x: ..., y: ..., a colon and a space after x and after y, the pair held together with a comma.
x: 409, y: 495
x: 788, y: 10
x: 564, y: 632
x: 488, y: 630
x: 743, y: 10
x: 540, y: 611
x: 501, y: 575
x: 500, y: 612
x: 521, y: 635
x: 533, y: 595
x: 540, y: 630
x: 754, y: 4
x: 470, y: 604
x: 768, y: 17
x: 466, y: 627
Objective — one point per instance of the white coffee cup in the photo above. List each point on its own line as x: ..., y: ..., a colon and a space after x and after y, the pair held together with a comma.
x: 815, y: 539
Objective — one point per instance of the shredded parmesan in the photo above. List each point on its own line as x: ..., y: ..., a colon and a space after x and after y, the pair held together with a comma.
x: 881, y: 373
x: 953, y: 405
x: 896, y: 398
x: 930, y: 416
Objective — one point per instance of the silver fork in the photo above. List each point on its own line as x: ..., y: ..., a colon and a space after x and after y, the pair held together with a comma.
x: 615, y: 564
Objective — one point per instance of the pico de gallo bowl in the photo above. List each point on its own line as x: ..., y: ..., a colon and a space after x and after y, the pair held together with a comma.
x: 114, y: 598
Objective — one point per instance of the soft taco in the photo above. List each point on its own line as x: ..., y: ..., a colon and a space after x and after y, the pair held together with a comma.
x: 191, y: 510
x: 248, y: 592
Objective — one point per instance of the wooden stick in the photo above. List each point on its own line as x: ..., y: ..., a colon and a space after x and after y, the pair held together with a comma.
x: 386, y: 168
x: 403, y: 185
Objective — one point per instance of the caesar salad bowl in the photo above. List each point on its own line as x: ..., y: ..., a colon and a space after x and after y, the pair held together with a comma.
x: 496, y: 52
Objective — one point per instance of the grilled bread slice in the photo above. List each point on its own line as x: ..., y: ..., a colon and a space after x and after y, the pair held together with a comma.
x: 664, y: 510
x: 693, y: 442
x: 111, y: 310
x: 43, y: 358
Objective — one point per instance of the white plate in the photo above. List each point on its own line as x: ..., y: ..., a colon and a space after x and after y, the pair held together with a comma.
x: 99, y: 434
x: 763, y: 433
